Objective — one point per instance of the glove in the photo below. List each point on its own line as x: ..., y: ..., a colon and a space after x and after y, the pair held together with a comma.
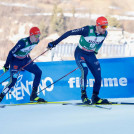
x: 5, y: 69
x: 50, y: 45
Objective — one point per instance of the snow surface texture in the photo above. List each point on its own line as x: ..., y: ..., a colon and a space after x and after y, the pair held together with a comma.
x: 67, y: 119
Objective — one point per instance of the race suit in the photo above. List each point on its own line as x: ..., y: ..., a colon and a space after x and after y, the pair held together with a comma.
x: 89, y: 44
x: 19, y: 57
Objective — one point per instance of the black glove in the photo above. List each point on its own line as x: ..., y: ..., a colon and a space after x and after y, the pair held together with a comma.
x: 5, y: 69
x: 50, y: 45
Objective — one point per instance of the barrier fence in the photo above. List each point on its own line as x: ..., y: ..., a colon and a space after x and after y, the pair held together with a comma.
x: 107, y: 50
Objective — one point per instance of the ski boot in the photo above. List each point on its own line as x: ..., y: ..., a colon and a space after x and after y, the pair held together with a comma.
x: 84, y: 97
x: 96, y: 100
x: 34, y: 97
x: 1, y: 96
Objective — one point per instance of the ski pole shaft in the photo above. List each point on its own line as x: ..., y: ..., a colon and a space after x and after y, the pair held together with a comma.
x: 58, y: 79
x: 32, y: 60
x: 24, y: 66
x: 2, y: 74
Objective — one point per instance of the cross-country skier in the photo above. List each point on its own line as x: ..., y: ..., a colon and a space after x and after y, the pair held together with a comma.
x: 91, y: 40
x: 19, y: 57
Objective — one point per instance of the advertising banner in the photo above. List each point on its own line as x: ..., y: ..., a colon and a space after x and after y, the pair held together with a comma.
x: 117, y: 81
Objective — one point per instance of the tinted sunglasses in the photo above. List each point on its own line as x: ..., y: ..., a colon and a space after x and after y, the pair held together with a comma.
x: 103, y: 26
x: 36, y: 36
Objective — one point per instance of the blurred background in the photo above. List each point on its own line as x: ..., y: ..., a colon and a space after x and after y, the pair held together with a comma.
x: 54, y: 17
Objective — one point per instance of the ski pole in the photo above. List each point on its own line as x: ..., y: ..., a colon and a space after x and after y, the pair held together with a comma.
x: 58, y: 79
x: 3, y: 74
x: 32, y: 60
x: 24, y: 66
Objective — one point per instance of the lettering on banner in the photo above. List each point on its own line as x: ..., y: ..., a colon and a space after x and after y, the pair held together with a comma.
x: 74, y: 82
x: 20, y: 89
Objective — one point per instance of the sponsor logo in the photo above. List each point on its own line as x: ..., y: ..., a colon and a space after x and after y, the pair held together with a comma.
x: 82, y: 58
x: 74, y: 82
x: 15, y: 67
x: 28, y: 48
x: 16, y: 49
x: 22, y: 89
x: 76, y: 30
x: 94, y: 40
x: 91, y: 30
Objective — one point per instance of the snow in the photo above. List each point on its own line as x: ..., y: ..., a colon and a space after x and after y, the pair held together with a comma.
x: 21, y: 32
x: 15, y: 5
x: 85, y: 15
x: 78, y: 15
x: 1, y: 64
x: 67, y: 119
x: 130, y: 13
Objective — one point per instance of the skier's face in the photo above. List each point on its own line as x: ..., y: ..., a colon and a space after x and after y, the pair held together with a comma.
x: 35, y: 38
x: 101, y: 29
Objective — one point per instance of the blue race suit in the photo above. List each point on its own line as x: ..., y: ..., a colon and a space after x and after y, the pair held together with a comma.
x: 19, y: 57
x: 89, y: 44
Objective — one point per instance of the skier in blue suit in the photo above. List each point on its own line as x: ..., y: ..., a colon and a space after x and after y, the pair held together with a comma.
x: 19, y: 57
x: 90, y: 42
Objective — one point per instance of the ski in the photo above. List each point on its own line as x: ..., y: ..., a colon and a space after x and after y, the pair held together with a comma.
x: 114, y: 103
x: 68, y: 103
x: 100, y: 105
x: 118, y: 103
x: 122, y: 103
x: 31, y: 103
x: 57, y: 102
x: 87, y: 105
x: 63, y: 103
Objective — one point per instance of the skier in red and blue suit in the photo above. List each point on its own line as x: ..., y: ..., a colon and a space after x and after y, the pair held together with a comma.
x: 90, y: 42
x: 19, y: 57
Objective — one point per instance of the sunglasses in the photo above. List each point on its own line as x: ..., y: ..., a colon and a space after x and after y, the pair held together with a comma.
x: 103, y: 26
x: 36, y: 36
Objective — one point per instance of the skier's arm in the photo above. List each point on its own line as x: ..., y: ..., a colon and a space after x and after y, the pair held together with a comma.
x: 81, y: 31
x: 15, y: 49
x: 99, y: 45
